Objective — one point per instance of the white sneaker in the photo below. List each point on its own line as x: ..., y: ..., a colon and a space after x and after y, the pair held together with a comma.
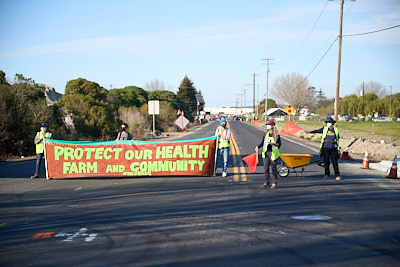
x: 224, y: 174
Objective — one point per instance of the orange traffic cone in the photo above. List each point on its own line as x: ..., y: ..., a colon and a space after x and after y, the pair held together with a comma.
x: 365, y: 164
x: 393, y: 170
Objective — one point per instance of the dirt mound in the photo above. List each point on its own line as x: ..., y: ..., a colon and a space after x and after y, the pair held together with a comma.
x: 379, y: 147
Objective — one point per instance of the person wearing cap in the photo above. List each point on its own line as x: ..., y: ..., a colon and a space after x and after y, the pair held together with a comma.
x: 330, y: 147
x: 39, y: 142
x: 124, y: 134
x: 270, y: 144
x: 224, y: 135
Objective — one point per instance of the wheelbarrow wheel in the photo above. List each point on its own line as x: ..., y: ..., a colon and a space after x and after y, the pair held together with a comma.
x: 283, y: 171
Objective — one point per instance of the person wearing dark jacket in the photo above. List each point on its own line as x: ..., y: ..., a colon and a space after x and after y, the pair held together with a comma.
x: 124, y: 134
x: 270, y: 144
x: 330, y: 147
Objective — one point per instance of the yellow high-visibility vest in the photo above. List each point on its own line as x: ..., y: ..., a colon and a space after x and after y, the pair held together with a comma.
x: 325, y: 132
x: 275, y: 149
x: 221, y: 142
x: 40, y: 145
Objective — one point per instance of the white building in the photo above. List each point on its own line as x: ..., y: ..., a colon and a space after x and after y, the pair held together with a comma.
x: 229, y: 111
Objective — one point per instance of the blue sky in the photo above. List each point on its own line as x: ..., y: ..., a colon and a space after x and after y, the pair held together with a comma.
x: 217, y: 44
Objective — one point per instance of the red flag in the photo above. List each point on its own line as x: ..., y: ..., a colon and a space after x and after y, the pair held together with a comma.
x: 251, y: 161
x: 179, y: 112
x: 290, y: 129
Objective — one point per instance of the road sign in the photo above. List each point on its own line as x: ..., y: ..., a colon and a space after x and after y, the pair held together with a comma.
x: 154, y: 107
x: 290, y: 109
x: 182, y: 122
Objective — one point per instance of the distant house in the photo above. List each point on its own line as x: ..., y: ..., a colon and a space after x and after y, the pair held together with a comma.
x: 276, y: 112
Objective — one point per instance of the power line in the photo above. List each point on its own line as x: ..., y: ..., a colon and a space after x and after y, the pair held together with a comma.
x: 330, y: 36
x: 365, y: 33
x: 300, y: 47
x: 323, y: 56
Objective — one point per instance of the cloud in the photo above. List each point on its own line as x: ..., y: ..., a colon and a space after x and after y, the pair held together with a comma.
x: 288, y: 23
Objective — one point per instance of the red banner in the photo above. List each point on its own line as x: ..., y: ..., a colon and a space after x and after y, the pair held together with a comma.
x: 73, y: 159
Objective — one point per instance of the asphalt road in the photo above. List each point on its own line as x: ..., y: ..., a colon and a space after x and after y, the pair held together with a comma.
x: 202, y: 221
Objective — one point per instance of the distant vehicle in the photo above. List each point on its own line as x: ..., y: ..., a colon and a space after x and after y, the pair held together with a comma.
x: 239, y: 118
x: 380, y: 120
x: 353, y: 119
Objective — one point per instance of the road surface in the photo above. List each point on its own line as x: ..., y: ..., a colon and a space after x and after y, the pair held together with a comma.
x: 202, y: 221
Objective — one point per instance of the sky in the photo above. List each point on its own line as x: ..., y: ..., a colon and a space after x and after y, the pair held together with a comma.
x: 218, y: 44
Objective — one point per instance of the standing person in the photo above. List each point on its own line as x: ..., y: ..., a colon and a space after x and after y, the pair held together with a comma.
x: 124, y: 134
x: 224, y: 135
x: 270, y: 143
x: 39, y: 142
x: 330, y: 147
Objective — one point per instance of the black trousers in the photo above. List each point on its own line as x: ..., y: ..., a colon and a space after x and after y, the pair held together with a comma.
x: 267, y: 163
x: 333, y: 155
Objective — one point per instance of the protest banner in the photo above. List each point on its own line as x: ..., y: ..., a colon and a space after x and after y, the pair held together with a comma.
x: 73, y: 159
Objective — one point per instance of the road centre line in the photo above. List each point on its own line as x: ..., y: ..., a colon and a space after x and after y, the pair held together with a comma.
x: 238, y: 168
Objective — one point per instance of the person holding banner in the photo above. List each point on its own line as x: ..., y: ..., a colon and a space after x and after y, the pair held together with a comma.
x: 124, y: 134
x: 270, y: 144
x: 39, y: 142
x: 224, y: 135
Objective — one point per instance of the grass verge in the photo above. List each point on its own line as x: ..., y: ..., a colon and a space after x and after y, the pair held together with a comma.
x: 389, y: 128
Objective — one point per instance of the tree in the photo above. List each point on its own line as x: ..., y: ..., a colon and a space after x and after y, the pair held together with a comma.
x: 139, y: 124
x: 22, y: 107
x: 325, y: 107
x: 154, y: 85
x: 391, y: 104
x: 187, y: 93
x: 93, y: 115
x: 372, y: 87
x: 293, y: 89
x: 130, y: 96
x: 3, y: 79
x: 261, y: 108
x: 372, y: 104
x: 350, y: 105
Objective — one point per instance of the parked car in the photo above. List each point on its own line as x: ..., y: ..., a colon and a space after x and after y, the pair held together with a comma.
x: 380, y: 120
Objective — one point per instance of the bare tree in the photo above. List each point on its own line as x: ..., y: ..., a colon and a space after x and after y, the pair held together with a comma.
x: 373, y: 87
x: 154, y: 85
x: 293, y: 89
x: 139, y: 124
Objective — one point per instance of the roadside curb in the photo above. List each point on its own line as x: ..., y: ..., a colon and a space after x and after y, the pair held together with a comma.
x: 384, y: 166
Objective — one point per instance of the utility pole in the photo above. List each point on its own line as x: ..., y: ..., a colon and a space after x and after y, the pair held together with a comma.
x: 339, y: 61
x: 244, y: 93
x: 363, y: 101
x: 390, y: 103
x: 254, y: 91
x: 241, y: 102
x: 258, y: 101
x: 266, y: 91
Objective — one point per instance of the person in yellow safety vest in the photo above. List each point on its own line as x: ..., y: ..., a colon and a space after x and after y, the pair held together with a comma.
x: 330, y: 147
x: 224, y: 135
x: 39, y: 142
x: 270, y: 144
